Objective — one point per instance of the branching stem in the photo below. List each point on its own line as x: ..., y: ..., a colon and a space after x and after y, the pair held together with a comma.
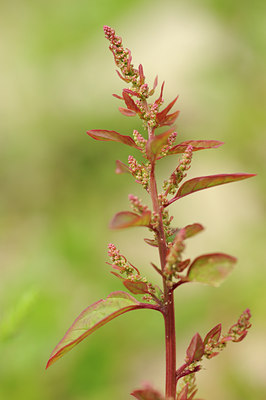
x: 169, y: 311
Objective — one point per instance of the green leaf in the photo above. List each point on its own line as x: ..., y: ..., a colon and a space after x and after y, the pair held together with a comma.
x: 126, y: 219
x: 155, y: 144
x: 193, y: 229
x: 205, y: 182
x: 113, y: 136
x: 211, y: 269
x: 196, y: 144
x: 92, y: 318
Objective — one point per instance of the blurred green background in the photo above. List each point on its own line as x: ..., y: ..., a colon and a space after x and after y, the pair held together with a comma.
x: 59, y: 190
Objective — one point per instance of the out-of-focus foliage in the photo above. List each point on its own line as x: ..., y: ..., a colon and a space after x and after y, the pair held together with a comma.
x: 59, y: 190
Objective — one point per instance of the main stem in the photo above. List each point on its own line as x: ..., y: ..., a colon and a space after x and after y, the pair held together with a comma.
x: 169, y: 310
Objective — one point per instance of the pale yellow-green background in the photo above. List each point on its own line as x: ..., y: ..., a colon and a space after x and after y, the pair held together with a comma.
x: 59, y: 190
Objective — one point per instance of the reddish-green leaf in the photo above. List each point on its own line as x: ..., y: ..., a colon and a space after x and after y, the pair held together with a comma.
x: 147, y: 394
x: 205, y: 182
x: 126, y: 219
x: 169, y: 119
x: 183, y: 394
x: 211, y: 269
x: 196, y: 144
x: 214, y: 334
x: 127, y: 112
x: 113, y: 136
x: 193, y: 229
x: 136, y: 287
x: 195, y: 349
x: 156, y: 143
x: 121, y: 168
x: 92, y: 318
x: 160, y: 117
x: 130, y: 103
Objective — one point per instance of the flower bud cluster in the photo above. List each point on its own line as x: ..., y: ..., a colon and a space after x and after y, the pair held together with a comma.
x: 118, y: 261
x: 172, y: 183
x: 139, y: 140
x: 140, y: 172
x: 136, y: 204
x: 173, y: 258
x: 167, y: 219
x: 238, y: 331
x: 122, y: 56
x: 169, y: 145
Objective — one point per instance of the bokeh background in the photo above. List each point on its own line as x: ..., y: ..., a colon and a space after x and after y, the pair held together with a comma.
x: 59, y: 190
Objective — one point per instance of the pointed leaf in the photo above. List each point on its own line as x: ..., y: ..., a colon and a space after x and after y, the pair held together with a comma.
x: 126, y: 219
x: 152, y: 242
x: 155, y: 144
x: 183, y: 394
x: 196, y: 144
x: 100, y: 134
x: 136, y: 287
x: 127, y: 112
x: 204, y: 182
x: 130, y: 103
x: 121, y: 168
x: 195, y: 349
x: 147, y: 394
x: 211, y: 269
x: 92, y: 318
x: 214, y: 334
x: 160, y: 117
x: 169, y: 119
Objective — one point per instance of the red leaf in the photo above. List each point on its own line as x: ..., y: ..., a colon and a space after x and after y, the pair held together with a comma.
x: 154, y: 86
x: 126, y: 219
x: 127, y: 112
x: 117, y: 96
x: 147, y: 394
x: 195, y: 349
x: 214, y: 334
x: 204, y: 182
x: 121, y: 168
x: 160, y: 117
x: 161, y: 95
x: 141, y: 75
x: 113, y: 136
x: 183, y: 394
x: 169, y: 119
x: 196, y: 144
x: 130, y: 103
x: 136, y: 287
x: 155, y: 144
x: 92, y: 318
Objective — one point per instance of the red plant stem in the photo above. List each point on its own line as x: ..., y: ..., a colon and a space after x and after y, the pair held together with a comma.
x: 169, y: 312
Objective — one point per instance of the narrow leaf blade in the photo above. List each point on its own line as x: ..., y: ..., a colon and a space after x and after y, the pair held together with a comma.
x: 127, y: 112
x: 92, y: 318
x: 211, y: 269
x: 205, y: 182
x: 113, y: 136
x: 126, y: 219
x: 121, y: 168
x: 196, y: 144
